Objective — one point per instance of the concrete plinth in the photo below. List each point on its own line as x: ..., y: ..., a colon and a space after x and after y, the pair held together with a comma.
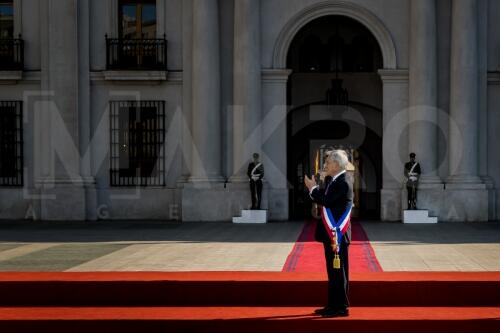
x: 418, y: 216
x: 429, y: 197
x: 251, y: 216
x: 63, y: 202
x: 14, y: 205
x: 464, y: 203
x: 390, y: 204
x: 453, y: 202
x: 216, y: 202
x: 278, y: 204
x: 120, y: 203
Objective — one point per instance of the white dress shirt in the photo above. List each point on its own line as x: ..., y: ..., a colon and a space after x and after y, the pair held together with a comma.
x: 333, y: 179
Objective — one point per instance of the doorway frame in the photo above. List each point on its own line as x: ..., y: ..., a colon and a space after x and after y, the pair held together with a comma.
x: 394, y: 100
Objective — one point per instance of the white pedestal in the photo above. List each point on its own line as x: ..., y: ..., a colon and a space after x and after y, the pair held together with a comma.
x: 418, y: 216
x: 251, y: 216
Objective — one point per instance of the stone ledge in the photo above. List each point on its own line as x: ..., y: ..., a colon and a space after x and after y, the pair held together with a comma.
x: 135, y: 75
x: 10, y: 77
x: 465, y: 186
x: 494, y: 78
x: 394, y: 75
x: 275, y: 75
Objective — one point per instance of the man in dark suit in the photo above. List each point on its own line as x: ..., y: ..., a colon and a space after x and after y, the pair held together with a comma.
x: 337, y: 197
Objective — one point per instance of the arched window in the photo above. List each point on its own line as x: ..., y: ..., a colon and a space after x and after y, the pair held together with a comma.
x: 362, y: 54
x: 310, y: 54
x: 333, y: 43
x: 336, y: 51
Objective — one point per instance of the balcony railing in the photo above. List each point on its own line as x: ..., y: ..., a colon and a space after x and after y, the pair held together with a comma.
x: 12, y: 54
x: 136, y: 54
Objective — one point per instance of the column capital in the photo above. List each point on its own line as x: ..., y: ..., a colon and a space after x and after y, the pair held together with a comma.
x: 394, y: 75
x: 275, y: 75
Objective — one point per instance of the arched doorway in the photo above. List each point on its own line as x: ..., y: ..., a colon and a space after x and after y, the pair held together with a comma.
x: 335, y: 96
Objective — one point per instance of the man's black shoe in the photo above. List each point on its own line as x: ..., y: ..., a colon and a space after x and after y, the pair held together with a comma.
x: 335, y: 313
x: 322, y: 310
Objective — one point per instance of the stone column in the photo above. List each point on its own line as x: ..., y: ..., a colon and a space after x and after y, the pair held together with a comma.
x: 466, y: 197
x: 59, y: 132
x: 484, y: 157
x: 84, y: 109
x: 463, y: 141
x: 206, y: 158
x: 187, y: 75
x: 247, y: 105
x: 423, y: 118
x: 274, y: 138
x: 394, y: 142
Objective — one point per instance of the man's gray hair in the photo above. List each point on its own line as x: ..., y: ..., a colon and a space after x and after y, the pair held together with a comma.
x: 339, y: 156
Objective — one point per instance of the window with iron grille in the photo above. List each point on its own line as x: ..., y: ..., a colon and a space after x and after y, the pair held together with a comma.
x: 6, y: 19
x: 11, y: 143
x: 11, y: 49
x: 137, y: 137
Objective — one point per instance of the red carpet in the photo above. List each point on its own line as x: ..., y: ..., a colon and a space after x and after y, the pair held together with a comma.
x: 246, y: 302
x: 245, y: 319
x: 307, y: 254
x: 245, y: 289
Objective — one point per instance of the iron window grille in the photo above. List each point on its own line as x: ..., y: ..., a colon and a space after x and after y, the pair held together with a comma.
x: 136, y: 54
x: 11, y: 143
x: 12, y: 54
x: 137, y: 130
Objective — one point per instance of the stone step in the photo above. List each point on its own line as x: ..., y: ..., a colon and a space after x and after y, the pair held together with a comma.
x: 418, y: 216
x: 251, y: 216
x: 269, y: 289
x: 247, y: 319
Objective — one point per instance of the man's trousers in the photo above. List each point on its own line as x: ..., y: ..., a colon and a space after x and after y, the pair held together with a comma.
x: 412, y: 197
x: 256, y: 189
x: 338, y: 279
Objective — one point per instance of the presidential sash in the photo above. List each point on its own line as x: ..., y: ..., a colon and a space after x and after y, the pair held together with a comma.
x: 340, y: 227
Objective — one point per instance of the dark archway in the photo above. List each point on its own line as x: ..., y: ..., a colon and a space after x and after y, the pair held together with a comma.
x: 327, y: 48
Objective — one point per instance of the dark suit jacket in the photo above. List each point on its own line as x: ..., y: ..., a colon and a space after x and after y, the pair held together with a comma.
x: 337, y: 198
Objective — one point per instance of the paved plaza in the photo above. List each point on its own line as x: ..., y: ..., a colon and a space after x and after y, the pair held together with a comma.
x: 169, y: 246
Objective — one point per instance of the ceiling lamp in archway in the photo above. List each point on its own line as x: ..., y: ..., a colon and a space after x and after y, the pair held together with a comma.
x: 337, y: 95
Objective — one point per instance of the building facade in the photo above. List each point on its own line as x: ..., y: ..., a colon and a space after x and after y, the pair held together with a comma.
x: 151, y: 109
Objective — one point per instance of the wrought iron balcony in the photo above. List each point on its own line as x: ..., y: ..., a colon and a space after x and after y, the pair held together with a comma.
x: 12, y: 54
x: 136, y: 54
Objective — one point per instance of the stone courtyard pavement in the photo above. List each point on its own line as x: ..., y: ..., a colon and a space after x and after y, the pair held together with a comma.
x: 170, y: 246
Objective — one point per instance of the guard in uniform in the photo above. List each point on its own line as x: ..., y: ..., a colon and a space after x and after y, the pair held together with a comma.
x: 412, y: 174
x: 255, y: 174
